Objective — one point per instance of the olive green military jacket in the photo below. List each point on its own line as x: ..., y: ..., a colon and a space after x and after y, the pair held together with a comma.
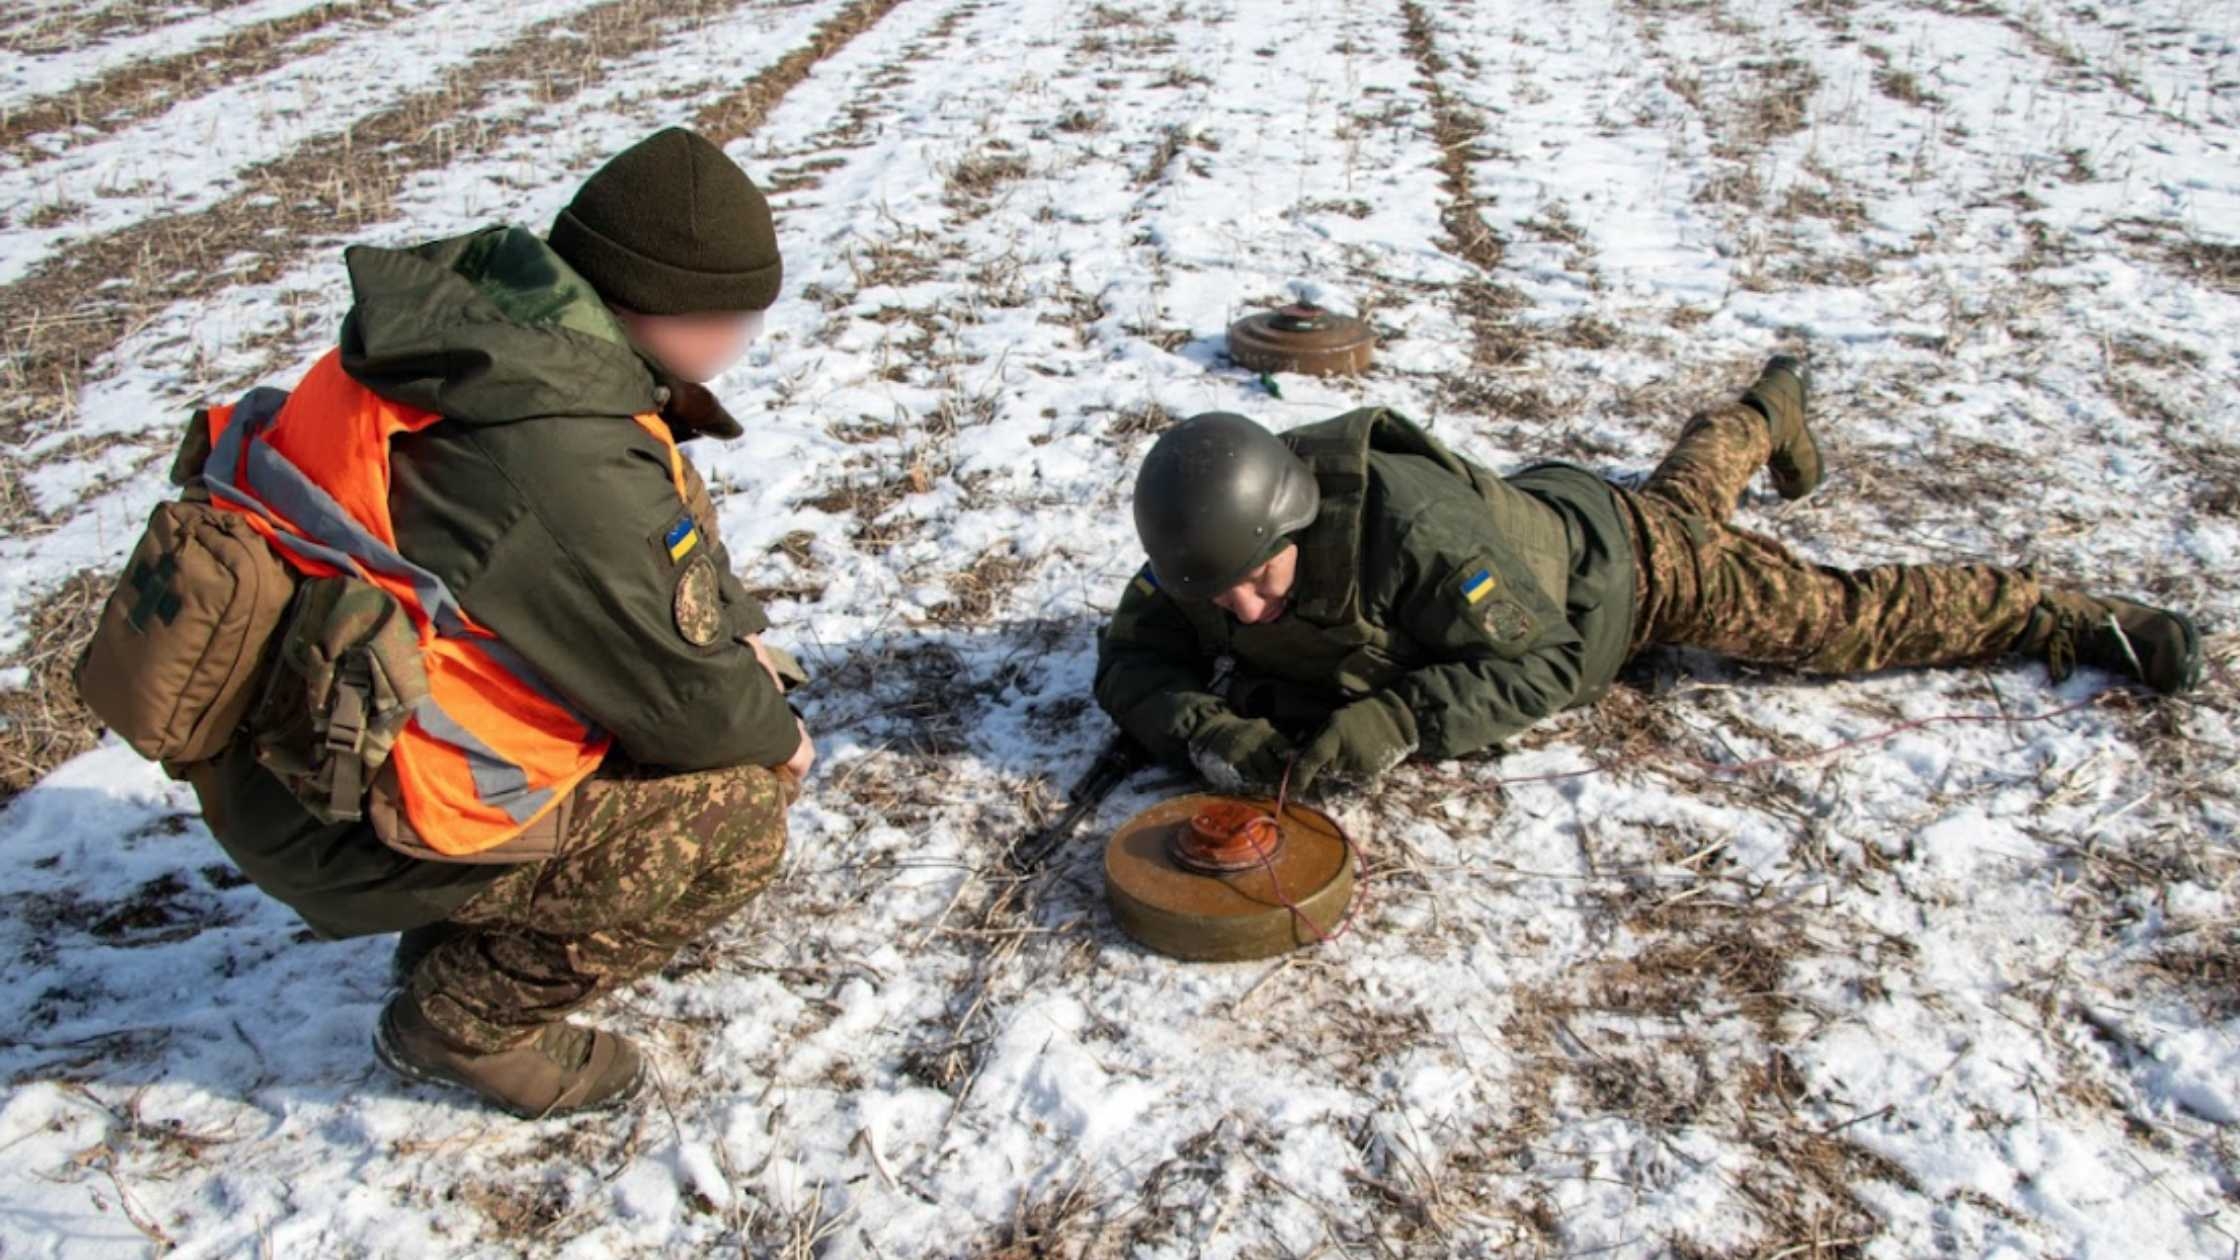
x: 548, y: 512
x: 1481, y: 604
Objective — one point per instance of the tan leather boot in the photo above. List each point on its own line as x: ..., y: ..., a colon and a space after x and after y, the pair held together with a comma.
x: 560, y: 1070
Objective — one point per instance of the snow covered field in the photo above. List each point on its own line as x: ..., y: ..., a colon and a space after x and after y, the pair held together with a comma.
x: 1972, y: 991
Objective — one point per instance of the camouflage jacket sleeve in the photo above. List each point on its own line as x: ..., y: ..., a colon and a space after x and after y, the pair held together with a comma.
x: 1152, y: 672
x: 592, y: 570
x: 1502, y: 654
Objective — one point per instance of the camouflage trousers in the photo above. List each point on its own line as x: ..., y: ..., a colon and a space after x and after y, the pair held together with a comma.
x: 1703, y: 583
x: 646, y: 864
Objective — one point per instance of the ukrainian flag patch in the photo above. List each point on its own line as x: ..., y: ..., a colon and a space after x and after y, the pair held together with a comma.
x: 1145, y: 583
x: 1477, y: 586
x: 681, y: 539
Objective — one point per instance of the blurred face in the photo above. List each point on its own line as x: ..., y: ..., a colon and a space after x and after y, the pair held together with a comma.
x: 696, y: 347
x: 1265, y: 593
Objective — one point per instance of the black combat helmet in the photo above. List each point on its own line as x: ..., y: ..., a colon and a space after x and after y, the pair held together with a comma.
x: 1217, y: 497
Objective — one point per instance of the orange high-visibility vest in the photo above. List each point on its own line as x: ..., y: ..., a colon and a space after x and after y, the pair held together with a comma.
x: 492, y: 748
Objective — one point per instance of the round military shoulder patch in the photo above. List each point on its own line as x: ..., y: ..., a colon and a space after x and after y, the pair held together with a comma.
x: 699, y: 604
x: 1506, y: 620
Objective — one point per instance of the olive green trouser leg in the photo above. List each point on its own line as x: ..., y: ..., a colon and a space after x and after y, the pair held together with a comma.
x: 648, y: 864
x: 1705, y: 584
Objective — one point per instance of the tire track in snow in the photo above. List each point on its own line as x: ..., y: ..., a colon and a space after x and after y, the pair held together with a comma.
x: 46, y: 125
x: 202, y: 149
x: 77, y: 305
x: 111, y: 477
x: 89, y: 483
x: 42, y: 33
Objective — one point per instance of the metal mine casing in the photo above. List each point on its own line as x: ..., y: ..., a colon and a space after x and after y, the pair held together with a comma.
x: 1231, y: 915
x: 1303, y: 338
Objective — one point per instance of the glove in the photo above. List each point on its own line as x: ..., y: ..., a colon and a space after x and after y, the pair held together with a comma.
x: 1363, y: 740
x: 1235, y: 753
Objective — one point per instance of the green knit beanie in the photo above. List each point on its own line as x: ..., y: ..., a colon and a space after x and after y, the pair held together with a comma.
x: 670, y: 226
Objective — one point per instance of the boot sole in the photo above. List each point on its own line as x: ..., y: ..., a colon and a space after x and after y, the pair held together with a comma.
x: 386, y: 1053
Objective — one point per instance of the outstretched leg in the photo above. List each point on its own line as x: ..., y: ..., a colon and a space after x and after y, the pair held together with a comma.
x: 1705, y: 584
x: 1745, y: 596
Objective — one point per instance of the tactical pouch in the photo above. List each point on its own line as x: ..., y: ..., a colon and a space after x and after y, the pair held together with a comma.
x: 346, y: 678
x: 173, y: 661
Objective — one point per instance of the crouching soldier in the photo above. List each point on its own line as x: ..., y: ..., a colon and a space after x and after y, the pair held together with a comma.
x: 1379, y: 597
x: 517, y: 706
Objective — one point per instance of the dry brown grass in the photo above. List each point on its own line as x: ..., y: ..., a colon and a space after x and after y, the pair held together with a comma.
x: 2214, y: 263
x: 52, y: 214
x: 977, y: 180
x: 540, y: 1209
x: 43, y: 725
x: 2207, y: 970
x: 867, y: 499
x: 1821, y: 201
x: 1454, y: 128
x: 1170, y: 146
x: 1903, y: 86
x: 1778, y: 104
x: 67, y: 27
x: 898, y: 261
x: 1048, y: 1224
x: 1081, y: 122
x: 1636, y: 1043
x: 1771, y: 98
x: 148, y: 86
x: 976, y: 590
x: 1111, y: 17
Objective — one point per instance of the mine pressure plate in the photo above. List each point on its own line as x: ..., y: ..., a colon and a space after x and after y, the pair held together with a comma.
x: 1301, y: 338
x: 1219, y: 879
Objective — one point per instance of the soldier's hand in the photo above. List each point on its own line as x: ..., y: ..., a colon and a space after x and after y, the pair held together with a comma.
x: 1362, y: 741
x: 804, y: 756
x: 1235, y: 753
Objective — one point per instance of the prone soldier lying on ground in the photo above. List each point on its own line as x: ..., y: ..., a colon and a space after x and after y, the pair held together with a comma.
x: 1380, y: 597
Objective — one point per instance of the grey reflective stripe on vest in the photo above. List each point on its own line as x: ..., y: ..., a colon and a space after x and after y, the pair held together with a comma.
x: 310, y: 511
x: 497, y: 781
x: 320, y: 528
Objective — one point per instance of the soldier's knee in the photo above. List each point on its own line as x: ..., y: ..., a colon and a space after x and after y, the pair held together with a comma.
x: 744, y: 817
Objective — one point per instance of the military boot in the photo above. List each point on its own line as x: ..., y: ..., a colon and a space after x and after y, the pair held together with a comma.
x: 1779, y: 395
x: 2153, y: 646
x: 414, y: 944
x: 561, y: 1070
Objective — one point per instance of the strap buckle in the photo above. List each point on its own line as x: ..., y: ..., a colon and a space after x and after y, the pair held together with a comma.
x: 346, y: 733
x: 346, y: 721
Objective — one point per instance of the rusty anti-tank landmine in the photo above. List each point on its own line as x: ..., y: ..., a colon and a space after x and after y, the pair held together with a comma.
x: 1302, y: 338
x: 1207, y: 878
